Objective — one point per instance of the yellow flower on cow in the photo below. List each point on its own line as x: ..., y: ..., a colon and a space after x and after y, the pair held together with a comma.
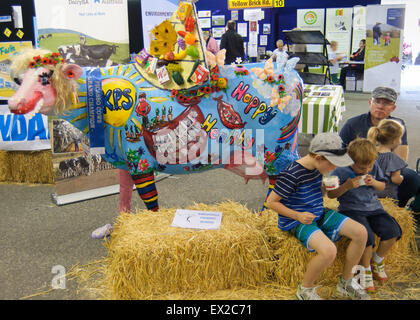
x: 222, y: 83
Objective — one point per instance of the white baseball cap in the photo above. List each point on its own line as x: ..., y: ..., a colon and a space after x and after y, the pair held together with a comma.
x: 330, y: 145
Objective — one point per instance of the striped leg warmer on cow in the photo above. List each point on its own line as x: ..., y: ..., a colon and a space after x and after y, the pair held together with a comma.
x: 146, y: 187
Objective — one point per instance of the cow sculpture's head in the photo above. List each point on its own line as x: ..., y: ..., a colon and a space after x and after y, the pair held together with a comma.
x: 46, y: 82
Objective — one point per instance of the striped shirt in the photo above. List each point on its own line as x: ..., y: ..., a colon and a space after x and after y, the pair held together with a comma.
x: 300, y: 190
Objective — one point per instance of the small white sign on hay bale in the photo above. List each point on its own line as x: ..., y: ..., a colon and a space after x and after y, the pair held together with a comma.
x: 194, y: 219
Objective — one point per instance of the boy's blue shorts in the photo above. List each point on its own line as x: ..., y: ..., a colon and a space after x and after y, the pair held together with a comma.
x: 377, y: 222
x: 330, y: 223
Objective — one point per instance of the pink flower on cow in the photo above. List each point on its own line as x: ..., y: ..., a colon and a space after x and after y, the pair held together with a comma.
x: 143, y: 165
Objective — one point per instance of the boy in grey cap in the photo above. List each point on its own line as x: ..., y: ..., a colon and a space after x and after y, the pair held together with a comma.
x: 297, y: 197
x: 382, y: 104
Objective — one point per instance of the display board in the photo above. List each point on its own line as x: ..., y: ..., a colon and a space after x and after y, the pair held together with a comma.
x: 385, y: 26
x: 311, y: 20
x: 7, y: 50
x: 338, y: 26
x: 86, y: 33
x: 359, y: 27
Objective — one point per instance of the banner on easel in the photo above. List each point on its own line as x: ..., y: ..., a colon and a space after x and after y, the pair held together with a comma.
x: 384, y: 39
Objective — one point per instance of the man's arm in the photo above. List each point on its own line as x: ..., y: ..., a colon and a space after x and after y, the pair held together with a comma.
x: 242, y: 47
x: 346, y: 133
x: 223, y: 43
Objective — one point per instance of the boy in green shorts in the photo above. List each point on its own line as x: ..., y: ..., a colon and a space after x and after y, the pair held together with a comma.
x: 298, y: 199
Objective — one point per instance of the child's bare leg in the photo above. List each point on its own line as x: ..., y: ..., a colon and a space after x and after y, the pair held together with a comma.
x: 385, y: 246
x: 326, y: 252
x: 366, y: 257
x: 358, y: 236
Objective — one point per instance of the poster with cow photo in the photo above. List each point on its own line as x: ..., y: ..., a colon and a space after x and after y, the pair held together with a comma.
x: 78, y: 174
x: 87, y: 33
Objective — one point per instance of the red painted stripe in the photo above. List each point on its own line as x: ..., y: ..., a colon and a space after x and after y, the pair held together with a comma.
x: 149, y: 195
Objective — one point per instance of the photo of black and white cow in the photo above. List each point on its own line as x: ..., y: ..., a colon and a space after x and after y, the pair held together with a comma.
x: 97, y: 55
x: 70, y: 152
x: 83, y: 165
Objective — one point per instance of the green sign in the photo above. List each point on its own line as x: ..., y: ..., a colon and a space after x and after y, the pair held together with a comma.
x: 310, y: 17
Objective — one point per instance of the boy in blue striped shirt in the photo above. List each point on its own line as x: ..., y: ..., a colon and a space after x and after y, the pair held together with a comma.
x: 298, y: 199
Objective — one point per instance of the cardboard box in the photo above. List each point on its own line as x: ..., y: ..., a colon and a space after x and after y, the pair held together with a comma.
x: 359, y: 85
x: 350, y: 83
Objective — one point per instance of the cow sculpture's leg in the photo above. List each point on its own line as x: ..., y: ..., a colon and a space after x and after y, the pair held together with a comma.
x: 126, y: 191
x: 146, y: 187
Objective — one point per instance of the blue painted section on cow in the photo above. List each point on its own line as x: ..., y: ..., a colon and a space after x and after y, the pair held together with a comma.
x: 150, y: 133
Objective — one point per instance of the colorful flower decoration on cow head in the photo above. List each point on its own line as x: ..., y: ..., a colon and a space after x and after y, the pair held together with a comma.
x: 53, y: 59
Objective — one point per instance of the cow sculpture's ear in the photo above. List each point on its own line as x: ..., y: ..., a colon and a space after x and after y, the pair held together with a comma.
x: 72, y: 71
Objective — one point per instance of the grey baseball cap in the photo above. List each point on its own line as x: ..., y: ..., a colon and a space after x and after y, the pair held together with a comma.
x: 385, y: 93
x: 330, y: 145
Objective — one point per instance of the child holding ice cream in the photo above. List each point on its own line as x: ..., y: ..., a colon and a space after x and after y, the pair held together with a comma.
x: 359, y: 183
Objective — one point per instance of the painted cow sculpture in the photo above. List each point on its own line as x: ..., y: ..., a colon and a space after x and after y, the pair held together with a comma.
x: 240, y: 117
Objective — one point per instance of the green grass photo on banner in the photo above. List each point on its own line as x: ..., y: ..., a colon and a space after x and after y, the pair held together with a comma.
x: 377, y: 55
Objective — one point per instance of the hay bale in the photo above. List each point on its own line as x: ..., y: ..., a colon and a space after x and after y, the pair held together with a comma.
x: 4, y: 167
x: 248, y: 258
x: 148, y: 257
x: 26, y: 166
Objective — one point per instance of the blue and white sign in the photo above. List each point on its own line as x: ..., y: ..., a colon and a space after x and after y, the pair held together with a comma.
x: 22, y: 132
x: 95, y: 111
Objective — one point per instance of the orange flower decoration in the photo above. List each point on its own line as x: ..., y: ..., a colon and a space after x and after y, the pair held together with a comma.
x: 269, y: 157
x: 214, y: 77
x: 174, y: 93
x: 48, y: 59
x: 207, y: 90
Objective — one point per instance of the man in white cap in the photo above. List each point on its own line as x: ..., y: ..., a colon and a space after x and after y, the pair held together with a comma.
x: 297, y: 197
x: 382, y: 104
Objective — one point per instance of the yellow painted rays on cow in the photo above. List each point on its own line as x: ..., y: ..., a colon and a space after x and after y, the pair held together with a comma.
x: 122, y: 77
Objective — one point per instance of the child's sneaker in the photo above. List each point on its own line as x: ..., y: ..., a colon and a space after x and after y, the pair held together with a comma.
x: 368, y: 282
x: 378, y: 270
x: 351, y: 289
x: 102, y: 232
x: 307, y: 293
